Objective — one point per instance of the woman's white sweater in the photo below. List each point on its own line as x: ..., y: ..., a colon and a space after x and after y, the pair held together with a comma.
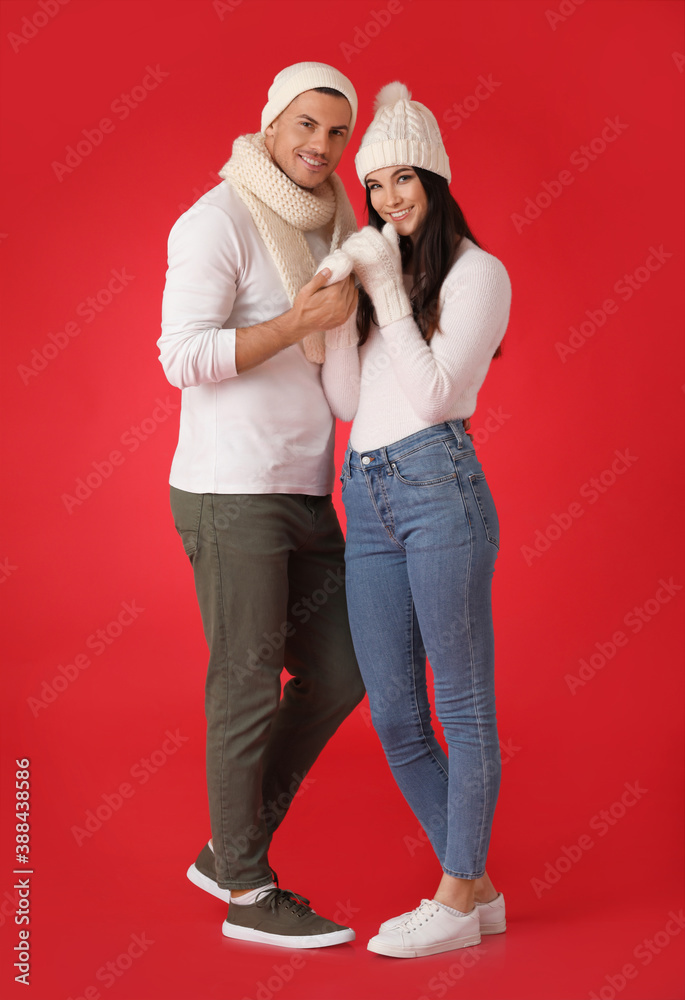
x: 396, y: 383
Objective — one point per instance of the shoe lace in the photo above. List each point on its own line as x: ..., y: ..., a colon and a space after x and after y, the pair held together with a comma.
x: 275, y: 898
x: 426, y: 909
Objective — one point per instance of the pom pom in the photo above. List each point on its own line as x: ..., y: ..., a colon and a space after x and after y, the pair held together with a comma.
x: 390, y: 94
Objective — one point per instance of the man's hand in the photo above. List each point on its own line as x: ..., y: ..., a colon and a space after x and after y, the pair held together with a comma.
x: 315, y: 308
x: 322, y: 308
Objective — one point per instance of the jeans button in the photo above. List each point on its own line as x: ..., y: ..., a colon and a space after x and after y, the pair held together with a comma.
x: 366, y: 460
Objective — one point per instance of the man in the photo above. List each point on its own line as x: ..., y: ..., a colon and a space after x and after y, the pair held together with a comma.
x: 251, y: 482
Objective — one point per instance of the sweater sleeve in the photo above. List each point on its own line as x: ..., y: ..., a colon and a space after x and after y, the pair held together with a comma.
x: 198, y: 298
x: 340, y: 372
x: 475, y: 299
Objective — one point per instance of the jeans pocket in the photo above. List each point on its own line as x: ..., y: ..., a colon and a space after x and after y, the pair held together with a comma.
x: 428, y: 465
x: 187, y: 511
x: 486, y: 506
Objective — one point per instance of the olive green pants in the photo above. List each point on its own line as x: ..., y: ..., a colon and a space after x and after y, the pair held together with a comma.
x: 270, y: 582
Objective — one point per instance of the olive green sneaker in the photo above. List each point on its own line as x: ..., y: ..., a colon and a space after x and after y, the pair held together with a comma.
x: 284, y: 919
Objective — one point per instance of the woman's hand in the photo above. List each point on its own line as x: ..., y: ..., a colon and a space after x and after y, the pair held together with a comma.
x: 378, y: 265
x: 339, y: 264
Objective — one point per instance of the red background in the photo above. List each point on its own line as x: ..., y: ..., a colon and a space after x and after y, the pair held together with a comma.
x: 350, y: 843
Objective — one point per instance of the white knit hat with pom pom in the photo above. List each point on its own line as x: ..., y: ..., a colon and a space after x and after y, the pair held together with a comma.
x: 402, y: 132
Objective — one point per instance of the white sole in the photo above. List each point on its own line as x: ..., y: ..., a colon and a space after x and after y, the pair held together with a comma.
x: 284, y: 941
x: 208, y: 884
x: 498, y: 928
x: 430, y: 949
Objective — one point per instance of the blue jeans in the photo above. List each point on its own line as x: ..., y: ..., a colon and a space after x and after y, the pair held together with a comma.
x: 422, y: 539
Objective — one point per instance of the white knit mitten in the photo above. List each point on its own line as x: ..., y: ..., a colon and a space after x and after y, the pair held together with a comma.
x: 346, y: 335
x: 340, y: 266
x: 378, y: 265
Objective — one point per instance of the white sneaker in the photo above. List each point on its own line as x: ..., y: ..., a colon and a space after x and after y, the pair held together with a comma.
x: 491, y: 916
x: 427, y: 930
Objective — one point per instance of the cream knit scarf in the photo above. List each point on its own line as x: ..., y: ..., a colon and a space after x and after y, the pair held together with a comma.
x: 283, y: 212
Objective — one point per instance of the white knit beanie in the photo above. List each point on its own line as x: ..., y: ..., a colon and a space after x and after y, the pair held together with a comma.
x: 294, y: 80
x: 402, y: 132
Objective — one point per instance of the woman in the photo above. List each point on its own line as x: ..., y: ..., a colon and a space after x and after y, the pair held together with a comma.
x: 422, y: 529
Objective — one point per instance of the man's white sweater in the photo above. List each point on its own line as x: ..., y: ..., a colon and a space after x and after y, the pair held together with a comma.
x: 268, y: 429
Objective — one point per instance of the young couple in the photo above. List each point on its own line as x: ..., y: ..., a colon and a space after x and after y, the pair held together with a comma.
x: 268, y: 350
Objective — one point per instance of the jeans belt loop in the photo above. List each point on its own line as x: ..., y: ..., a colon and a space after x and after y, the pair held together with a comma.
x: 457, y: 432
x: 390, y: 471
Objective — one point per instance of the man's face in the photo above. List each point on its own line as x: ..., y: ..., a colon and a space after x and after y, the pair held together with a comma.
x: 308, y: 138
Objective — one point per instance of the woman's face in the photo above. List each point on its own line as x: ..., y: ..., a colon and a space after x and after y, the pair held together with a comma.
x: 399, y: 197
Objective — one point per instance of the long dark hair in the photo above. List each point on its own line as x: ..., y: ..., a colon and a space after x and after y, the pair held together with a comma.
x: 431, y: 255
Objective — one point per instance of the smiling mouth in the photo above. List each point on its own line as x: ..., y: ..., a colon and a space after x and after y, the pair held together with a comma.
x: 312, y: 161
x: 398, y: 216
